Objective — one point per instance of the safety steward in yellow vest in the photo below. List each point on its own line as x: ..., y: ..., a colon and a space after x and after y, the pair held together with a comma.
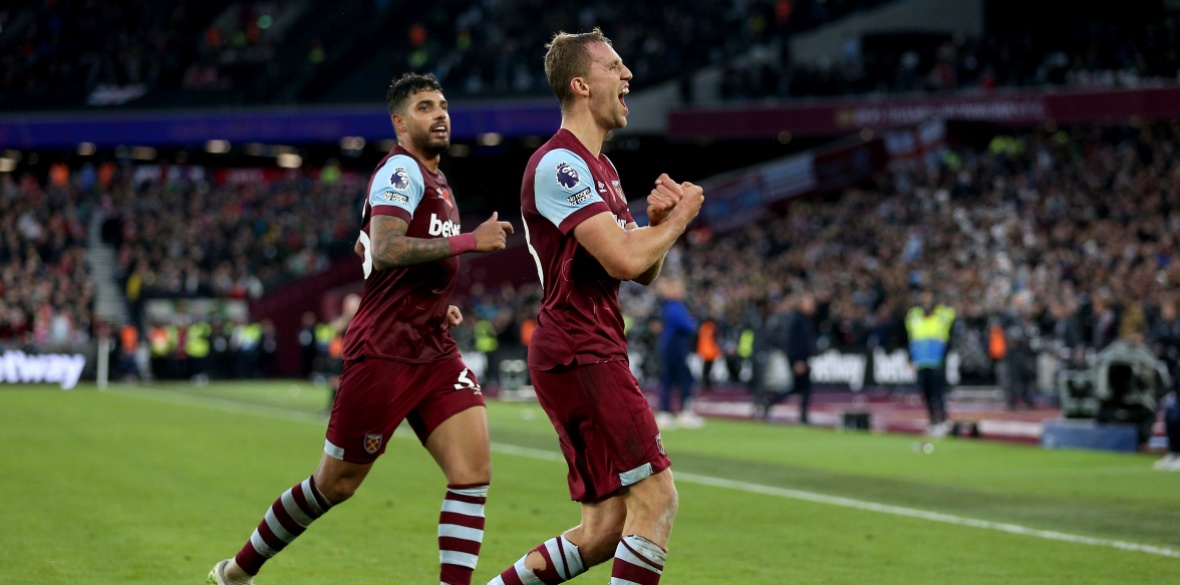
x: 929, y: 329
x: 196, y: 346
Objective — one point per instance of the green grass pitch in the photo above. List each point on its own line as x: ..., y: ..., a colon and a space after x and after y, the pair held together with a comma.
x: 153, y: 486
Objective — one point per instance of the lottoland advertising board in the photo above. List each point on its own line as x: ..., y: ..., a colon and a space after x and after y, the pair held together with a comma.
x: 18, y: 367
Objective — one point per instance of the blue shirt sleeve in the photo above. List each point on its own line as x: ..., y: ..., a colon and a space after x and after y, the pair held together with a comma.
x: 680, y: 319
x: 563, y: 185
x: 398, y: 183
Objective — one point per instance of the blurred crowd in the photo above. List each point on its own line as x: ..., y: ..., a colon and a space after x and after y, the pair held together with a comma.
x: 1086, y: 54
x: 46, y: 297
x: 200, y: 238
x: 59, y: 48
x: 1074, y: 232
x: 497, y: 46
x: 233, y: 54
x: 51, y: 50
x: 173, y: 238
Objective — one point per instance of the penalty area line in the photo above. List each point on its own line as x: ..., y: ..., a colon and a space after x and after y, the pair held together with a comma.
x: 175, y: 397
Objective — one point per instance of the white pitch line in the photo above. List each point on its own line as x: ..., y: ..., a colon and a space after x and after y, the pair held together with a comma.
x: 753, y: 488
x: 923, y: 514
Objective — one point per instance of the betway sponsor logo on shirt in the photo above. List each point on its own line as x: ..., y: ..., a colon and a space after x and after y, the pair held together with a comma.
x: 439, y: 227
x: 17, y: 367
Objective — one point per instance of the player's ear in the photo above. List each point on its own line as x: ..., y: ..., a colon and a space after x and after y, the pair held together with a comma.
x: 399, y: 123
x: 579, y: 86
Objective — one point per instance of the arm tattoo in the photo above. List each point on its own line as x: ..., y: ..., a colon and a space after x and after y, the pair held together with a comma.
x: 392, y: 249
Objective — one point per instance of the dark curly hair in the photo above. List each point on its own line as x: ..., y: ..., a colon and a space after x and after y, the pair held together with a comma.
x: 407, y: 85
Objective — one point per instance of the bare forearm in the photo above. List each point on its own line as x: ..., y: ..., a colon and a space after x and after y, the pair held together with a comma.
x: 396, y: 251
x: 636, y: 254
x: 652, y: 271
x: 648, y: 246
x: 649, y: 276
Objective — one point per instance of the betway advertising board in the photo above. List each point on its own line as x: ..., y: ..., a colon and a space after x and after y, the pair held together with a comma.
x: 872, y: 369
x: 18, y: 367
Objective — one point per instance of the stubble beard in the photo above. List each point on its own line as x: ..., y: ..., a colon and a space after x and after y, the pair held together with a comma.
x: 428, y: 145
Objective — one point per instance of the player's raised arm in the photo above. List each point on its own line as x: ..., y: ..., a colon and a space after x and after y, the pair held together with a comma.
x: 664, y: 196
x: 628, y: 255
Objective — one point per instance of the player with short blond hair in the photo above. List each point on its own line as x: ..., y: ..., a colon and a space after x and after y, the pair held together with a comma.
x: 585, y: 242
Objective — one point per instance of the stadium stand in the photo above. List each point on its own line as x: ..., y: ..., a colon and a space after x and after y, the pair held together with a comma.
x: 1024, y: 212
x: 263, y: 52
x: 68, y: 53
x: 1071, y: 46
x: 200, y: 238
x: 46, y: 297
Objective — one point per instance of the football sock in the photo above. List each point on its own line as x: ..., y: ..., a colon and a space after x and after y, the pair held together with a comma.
x: 563, y: 562
x: 460, y: 532
x: 232, y: 574
x: 286, y: 519
x: 638, y: 561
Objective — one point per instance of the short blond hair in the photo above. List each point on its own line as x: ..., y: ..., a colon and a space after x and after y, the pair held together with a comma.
x: 566, y: 57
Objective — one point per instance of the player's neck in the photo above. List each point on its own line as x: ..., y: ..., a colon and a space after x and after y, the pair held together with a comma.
x: 590, y: 134
x: 430, y: 162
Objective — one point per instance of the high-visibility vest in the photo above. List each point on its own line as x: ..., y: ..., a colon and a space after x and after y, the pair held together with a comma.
x: 129, y: 337
x: 249, y: 336
x: 158, y: 341
x: 324, y: 334
x: 745, y: 346
x: 196, y: 342
x: 929, y: 334
x: 707, y: 341
x: 526, y: 331
x: 485, y: 336
x: 997, y: 346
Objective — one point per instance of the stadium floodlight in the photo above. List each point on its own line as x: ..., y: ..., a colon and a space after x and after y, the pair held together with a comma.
x: 86, y: 148
x: 490, y: 139
x: 217, y: 146
x: 7, y: 165
x: 459, y: 150
x: 13, y: 154
x: 289, y: 160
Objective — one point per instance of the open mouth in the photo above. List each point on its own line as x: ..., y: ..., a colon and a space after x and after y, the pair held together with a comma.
x: 622, y: 98
x: 439, y: 130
